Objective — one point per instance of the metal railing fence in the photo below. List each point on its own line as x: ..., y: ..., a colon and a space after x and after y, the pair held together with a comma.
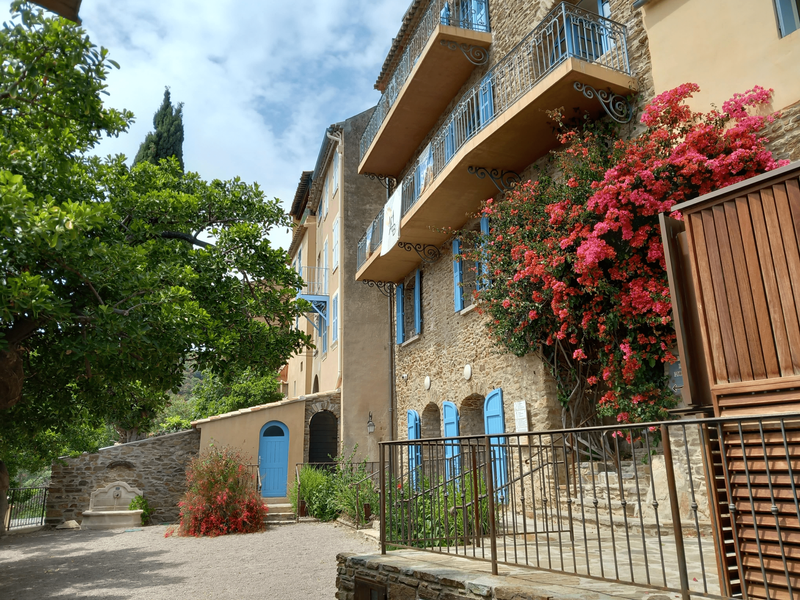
x: 26, y: 507
x: 370, y: 241
x: 315, y: 281
x: 631, y: 505
x: 252, y: 476
x: 466, y: 14
x: 566, y: 32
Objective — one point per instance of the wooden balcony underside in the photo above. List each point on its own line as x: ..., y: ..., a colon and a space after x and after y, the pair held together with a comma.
x: 431, y: 86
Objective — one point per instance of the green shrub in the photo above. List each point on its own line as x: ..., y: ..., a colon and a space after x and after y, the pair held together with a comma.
x: 317, y: 489
x: 140, y: 503
x: 354, y: 487
x: 442, y: 514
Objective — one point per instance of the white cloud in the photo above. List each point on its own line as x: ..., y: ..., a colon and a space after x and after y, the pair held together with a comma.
x: 260, y: 80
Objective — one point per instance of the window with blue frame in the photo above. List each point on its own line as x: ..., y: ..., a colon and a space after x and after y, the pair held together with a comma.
x: 408, y: 306
x: 322, y: 328
x: 468, y: 276
x: 788, y: 16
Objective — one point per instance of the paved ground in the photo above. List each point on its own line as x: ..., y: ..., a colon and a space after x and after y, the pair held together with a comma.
x: 284, y: 562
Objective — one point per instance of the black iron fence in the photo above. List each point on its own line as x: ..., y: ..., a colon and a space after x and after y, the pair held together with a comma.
x: 26, y: 507
x: 690, y: 506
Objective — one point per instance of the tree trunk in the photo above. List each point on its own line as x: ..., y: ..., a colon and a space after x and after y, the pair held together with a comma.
x: 12, y: 375
x: 5, y: 483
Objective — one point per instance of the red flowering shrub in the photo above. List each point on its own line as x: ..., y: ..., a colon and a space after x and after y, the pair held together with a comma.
x: 577, y: 260
x: 221, y: 496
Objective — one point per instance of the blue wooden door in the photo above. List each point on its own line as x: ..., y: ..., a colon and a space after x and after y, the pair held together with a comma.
x: 273, y: 459
x: 494, y: 422
x: 414, y: 452
x: 452, y: 450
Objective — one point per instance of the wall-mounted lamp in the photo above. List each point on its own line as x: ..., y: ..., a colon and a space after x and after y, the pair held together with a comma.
x: 370, y: 425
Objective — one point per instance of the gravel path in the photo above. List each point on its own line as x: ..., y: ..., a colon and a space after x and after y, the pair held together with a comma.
x: 284, y: 562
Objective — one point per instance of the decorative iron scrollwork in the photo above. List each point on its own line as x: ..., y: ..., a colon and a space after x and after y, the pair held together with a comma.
x: 428, y: 253
x: 501, y: 179
x: 617, y: 107
x: 385, y: 180
x: 384, y: 287
x: 477, y: 55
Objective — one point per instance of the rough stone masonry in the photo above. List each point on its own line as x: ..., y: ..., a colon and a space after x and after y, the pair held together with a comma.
x: 157, y: 466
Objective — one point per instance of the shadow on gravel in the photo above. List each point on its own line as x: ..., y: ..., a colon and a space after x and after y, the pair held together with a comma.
x: 53, y: 565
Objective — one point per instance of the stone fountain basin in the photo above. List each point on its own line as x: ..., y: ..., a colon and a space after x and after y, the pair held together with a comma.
x: 111, y: 519
x: 108, y: 508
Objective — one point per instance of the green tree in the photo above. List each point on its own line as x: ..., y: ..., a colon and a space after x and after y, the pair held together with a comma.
x: 213, y: 396
x: 106, y: 282
x: 167, y: 139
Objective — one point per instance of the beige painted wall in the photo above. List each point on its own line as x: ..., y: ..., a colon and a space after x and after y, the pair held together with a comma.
x: 243, y: 431
x: 299, y: 374
x: 725, y: 46
x: 326, y: 364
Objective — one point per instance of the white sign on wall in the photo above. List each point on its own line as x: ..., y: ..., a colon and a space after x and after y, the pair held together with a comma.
x: 521, y: 416
x: 392, y: 213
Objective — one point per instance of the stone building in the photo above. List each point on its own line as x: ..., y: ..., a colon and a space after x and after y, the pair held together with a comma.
x: 465, y: 87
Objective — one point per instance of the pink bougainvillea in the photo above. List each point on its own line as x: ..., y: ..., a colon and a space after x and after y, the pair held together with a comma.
x: 577, y: 260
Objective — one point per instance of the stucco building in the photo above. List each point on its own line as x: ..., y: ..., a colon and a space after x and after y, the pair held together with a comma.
x: 338, y: 392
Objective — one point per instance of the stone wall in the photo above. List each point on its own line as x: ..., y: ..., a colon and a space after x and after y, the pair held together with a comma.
x: 784, y: 133
x: 157, y: 466
x: 449, y: 341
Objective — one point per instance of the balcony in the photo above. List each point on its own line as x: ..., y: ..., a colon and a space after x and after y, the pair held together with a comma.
x: 499, y: 127
x: 315, y: 291
x: 449, y: 40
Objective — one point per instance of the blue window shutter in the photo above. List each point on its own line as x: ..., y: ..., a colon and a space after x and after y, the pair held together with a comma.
x: 487, y: 100
x: 399, y: 306
x: 335, y: 319
x: 458, y: 297
x: 484, y: 278
x: 449, y: 142
x: 418, y: 302
x: 494, y: 423
x: 414, y: 451
x: 452, y: 450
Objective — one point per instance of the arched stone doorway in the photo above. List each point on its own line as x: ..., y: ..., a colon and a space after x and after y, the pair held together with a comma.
x: 471, y: 413
x: 431, y: 427
x: 323, y: 443
x: 431, y: 421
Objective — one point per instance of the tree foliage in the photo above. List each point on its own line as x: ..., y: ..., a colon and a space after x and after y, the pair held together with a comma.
x: 576, y: 255
x: 167, y: 139
x: 107, y: 286
x: 213, y: 396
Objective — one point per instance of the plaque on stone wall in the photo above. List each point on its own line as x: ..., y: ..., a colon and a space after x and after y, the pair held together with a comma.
x: 521, y: 416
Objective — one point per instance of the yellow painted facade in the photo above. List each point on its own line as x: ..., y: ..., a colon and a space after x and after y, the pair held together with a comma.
x: 725, y: 46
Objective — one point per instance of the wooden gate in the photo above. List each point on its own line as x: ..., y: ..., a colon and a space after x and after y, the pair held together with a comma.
x: 734, y: 269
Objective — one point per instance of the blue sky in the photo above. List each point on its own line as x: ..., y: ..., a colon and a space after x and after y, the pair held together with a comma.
x: 260, y: 80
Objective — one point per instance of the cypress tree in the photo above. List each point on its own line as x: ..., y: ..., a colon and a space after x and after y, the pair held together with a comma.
x: 167, y: 139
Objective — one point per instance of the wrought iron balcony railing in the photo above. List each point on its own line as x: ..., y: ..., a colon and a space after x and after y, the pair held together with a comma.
x: 315, y: 281
x: 566, y: 32
x: 370, y: 241
x: 466, y: 14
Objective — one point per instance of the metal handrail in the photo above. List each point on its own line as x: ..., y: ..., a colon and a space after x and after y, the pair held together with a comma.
x: 473, y: 15
x: 315, y: 281
x: 370, y: 241
x: 566, y: 32
x: 593, y: 510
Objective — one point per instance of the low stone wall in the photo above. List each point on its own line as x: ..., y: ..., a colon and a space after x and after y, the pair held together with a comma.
x: 157, y: 466
x: 414, y: 575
